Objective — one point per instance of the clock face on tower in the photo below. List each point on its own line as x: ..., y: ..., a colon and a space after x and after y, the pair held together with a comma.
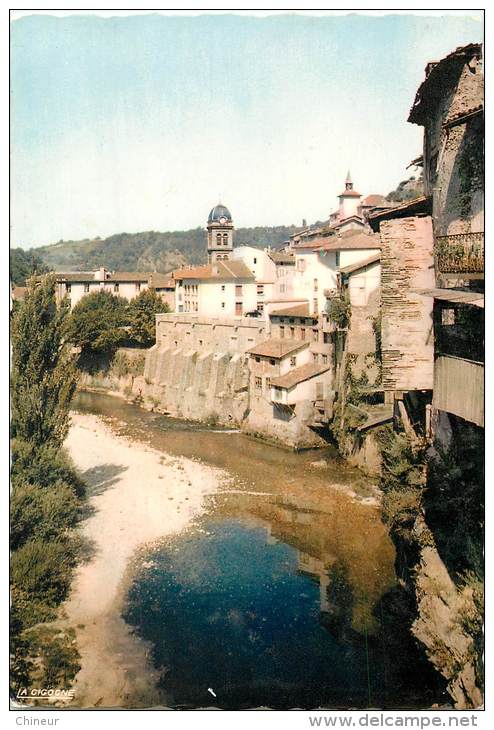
x: 222, y: 220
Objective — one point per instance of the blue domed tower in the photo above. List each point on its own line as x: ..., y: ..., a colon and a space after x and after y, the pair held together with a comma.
x: 220, y: 234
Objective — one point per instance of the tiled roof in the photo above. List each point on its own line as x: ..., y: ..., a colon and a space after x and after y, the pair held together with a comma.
x: 299, y: 310
x: 298, y: 375
x: 282, y: 258
x: 129, y: 276
x: 154, y: 278
x: 220, y: 270
x: 351, y: 268
x: 349, y: 194
x: 75, y: 276
x: 161, y: 281
x: 374, y: 200
x: 277, y: 348
x: 418, y: 206
x: 350, y: 241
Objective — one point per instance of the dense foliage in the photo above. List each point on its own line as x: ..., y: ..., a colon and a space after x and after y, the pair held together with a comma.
x: 101, y: 321
x: 142, y: 313
x: 97, y: 322
x: 340, y: 312
x: 24, y: 264
x: 407, y: 190
x: 47, y: 495
x: 43, y: 374
x: 150, y: 250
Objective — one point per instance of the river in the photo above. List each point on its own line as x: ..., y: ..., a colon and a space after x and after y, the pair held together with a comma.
x: 283, y: 593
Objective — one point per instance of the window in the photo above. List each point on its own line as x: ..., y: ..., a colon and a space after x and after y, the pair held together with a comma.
x: 238, y: 309
x: 268, y: 383
x: 260, y: 290
x: 301, y: 264
x: 293, y: 362
x: 258, y: 383
x: 315, y: 285
x: 200, y: 343
x: 282, y: 320
x: 292, y: 332
x: 302, y: 333
x: 315, y: 357
x: 222, y: 287
x: 116, y: 288
x: 282, y: 333
x: 222, y: 305
x: 86, y: 288
x: 68, y: 287
x: 315, y: 335
x: 260, y: 306
x: 138, y: 286
x: 255, y: 260
x: 316, y: 306
x: 225, y: 239
x: 326, y: 338
x: 292, y: 321
x: 337, y: 262
x: 324, y: 359
x: 272, y: 362
x: 238, y: 290
x: 258, y: 359
x: 218, y: 239
x: 282, y: 288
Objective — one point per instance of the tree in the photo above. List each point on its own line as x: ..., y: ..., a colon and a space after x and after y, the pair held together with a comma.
x: 142, y: 316
x: 97, y: 322
x: 43, y: 377
x: 24, y: 264
x: 407, y: 190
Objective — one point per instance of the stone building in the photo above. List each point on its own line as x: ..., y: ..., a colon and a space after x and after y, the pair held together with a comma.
x: 433, y: 256
x: 285, y: 386
x: 127, y: 284
x: 449, y: 105
x: 274, y: 300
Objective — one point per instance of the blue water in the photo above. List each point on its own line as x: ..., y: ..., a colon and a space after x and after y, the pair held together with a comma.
x: 229, y: 610
x: 284, y: 594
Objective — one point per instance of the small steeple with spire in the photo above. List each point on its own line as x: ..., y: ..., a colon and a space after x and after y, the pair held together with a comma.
x: 348, y: 181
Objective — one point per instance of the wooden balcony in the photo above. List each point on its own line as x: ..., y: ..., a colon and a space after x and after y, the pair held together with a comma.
x: 461, y: 253
x: 459, y: 388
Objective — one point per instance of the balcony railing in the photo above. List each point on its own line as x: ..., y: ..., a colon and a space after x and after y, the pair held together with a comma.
x: 461, y: 253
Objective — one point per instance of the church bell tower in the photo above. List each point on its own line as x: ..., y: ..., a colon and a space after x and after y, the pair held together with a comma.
x: 220, y: 234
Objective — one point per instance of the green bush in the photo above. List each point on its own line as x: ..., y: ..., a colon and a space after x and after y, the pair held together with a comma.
x: 97, y: 322
x: 142, y: 316
x: 123, y: 364
x: 44, y: 466
x: 339, y: 312
x: 58, y: 658
x: 44, y: 513
x: 43, y: 571
x: 402, y: 475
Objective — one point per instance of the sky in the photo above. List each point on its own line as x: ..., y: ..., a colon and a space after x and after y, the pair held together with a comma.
x: 127, y: 124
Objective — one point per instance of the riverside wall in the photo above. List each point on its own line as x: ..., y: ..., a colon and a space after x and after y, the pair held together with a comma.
x: 198, y: 368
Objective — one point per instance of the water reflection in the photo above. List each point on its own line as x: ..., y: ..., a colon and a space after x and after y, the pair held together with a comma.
x: 284, y: 594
